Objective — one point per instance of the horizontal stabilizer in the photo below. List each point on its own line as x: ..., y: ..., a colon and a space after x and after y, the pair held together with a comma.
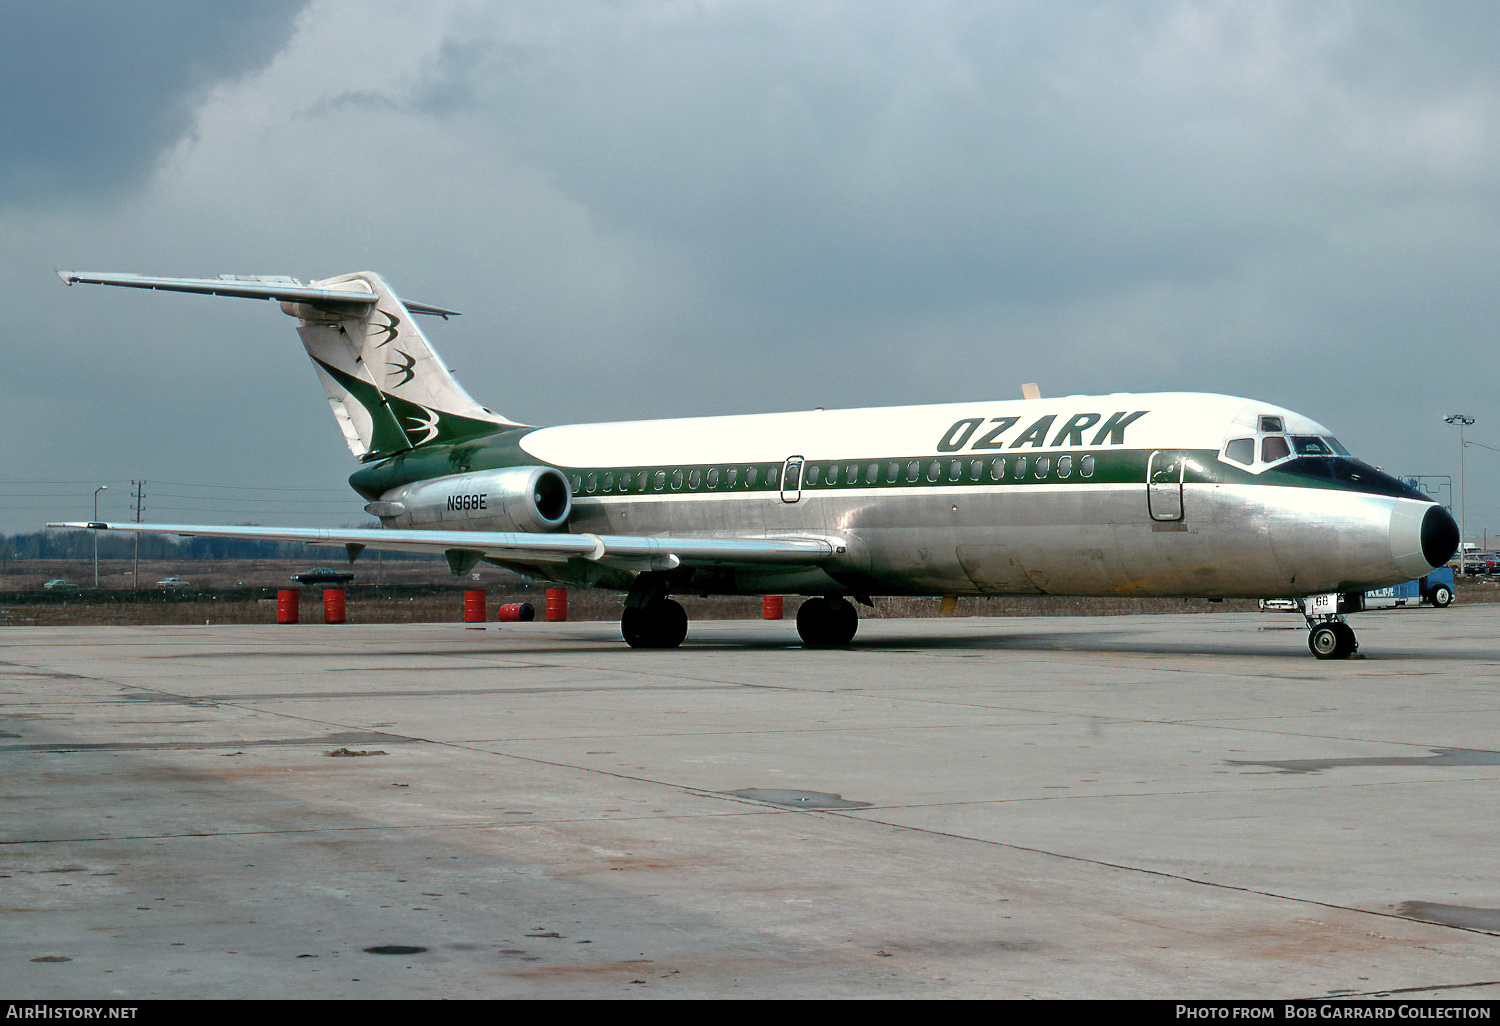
x: 355, y: 293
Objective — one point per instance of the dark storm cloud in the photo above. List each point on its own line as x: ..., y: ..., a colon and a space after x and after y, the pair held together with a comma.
x: 92, y: 90
x: 680, y: 207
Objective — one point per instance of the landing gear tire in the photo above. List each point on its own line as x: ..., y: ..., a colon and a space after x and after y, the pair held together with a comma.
x: 659, y: 624
x: 1332, y: 641
x: 1441, y: 596
x: 826, y: 622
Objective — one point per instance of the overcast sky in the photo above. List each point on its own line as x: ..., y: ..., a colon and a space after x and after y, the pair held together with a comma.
x: 683, y: 208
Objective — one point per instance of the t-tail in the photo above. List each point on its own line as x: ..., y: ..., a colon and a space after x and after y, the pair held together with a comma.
x: 388, y: 388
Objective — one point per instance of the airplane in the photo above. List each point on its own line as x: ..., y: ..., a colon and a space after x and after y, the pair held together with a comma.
x: 1148, y: 494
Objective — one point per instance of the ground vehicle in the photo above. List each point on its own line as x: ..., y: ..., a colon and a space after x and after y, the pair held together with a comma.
x: 1435, y: 589
x: 322, y: 575
x: 174, y: 582
x: 59, y: 584
x: 1477, y: 563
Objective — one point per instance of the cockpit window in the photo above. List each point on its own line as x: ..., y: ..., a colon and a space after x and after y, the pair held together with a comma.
x: 1273, y: 448
x: 1311, y: 445
x: 1241, y: 450
x: 1268, y: 423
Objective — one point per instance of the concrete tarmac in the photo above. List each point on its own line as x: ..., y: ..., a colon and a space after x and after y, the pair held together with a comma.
x: 1176, y: 806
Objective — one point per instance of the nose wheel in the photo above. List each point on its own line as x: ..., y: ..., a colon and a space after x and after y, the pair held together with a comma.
x: 1333, y: 640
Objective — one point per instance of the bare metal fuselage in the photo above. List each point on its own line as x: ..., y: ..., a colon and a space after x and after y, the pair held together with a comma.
x: 1230, y: 541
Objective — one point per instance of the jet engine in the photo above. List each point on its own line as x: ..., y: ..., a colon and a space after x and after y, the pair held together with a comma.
x: 525, y: 499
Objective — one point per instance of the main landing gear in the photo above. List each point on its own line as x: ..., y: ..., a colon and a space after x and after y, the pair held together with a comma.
x: 1328, y: 637
x: 652, y: 620
x: 827, y: 622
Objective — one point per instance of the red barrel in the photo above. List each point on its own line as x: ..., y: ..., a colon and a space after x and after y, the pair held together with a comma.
x: 288, y: 601
x: 770, y: 607
x: 474, y: 606
x: 333, y: 605
x: 557, y: 605
x: 516, y: 612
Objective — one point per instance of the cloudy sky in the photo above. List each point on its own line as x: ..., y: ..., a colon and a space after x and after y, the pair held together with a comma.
x: 686, y: 207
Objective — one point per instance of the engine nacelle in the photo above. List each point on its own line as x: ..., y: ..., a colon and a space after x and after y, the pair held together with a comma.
x: 514, y: 499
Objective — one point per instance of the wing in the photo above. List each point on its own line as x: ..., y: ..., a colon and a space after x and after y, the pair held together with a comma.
x: 464, y: 548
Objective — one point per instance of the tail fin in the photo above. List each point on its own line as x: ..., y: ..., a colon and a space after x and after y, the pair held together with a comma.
x: 388, y: 388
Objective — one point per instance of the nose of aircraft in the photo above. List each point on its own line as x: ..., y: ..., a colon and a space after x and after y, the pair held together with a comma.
x: 1422, y: 535
x: 1439, y: 536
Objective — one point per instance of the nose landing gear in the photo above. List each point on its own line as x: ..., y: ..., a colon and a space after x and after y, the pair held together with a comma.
x: 1332, y: 640
x: 1329, y: 637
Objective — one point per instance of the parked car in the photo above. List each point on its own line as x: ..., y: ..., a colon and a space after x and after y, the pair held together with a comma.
x: 58, y: 584
x: 174, y: 582
x: 1478, y: 563
x: 323, y: 575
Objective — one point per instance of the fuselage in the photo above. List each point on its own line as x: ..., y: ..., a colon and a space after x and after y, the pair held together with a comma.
x: 1129, y: 494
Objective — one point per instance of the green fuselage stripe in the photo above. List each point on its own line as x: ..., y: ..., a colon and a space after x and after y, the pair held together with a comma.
x: 1072, y: 468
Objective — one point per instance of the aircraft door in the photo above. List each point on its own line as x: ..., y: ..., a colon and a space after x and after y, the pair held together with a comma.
x: 1164, y: 473
x: 791, y: 479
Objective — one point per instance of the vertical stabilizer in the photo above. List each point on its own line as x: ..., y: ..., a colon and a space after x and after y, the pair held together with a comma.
x: 388, y: 388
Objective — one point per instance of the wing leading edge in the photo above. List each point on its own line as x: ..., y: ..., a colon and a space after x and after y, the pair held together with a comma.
x: 629, y: 552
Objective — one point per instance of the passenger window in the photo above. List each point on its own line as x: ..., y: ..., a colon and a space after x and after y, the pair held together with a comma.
x: 676, y: 480
x: 660, y: 480
x: 1086, y: 466
x: 812, y: 474
x: 693, y: 478
x: 1273, y: 448
x: 997, y: 468
x: 1064, y: 466
x: 1043, y: 466
x: 1020, y: 468
x: 934, y: 470
x: 976, y: 469
x: 577, y: 483
x: 872, y: 474
x: 731, y: 476
x: 609, y: 480
x: 1241, y: 450
x: 713, y: 477
x: 913, y: 470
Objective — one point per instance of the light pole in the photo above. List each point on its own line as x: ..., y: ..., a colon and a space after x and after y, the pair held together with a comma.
x: 1463, y: 421
x: 101, y: 488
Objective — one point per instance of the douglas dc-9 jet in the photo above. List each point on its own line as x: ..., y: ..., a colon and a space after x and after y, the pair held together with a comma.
x: 1161, y: 494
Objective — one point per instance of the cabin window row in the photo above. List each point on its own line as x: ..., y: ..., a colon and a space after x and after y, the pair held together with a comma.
x: 831, y: 475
